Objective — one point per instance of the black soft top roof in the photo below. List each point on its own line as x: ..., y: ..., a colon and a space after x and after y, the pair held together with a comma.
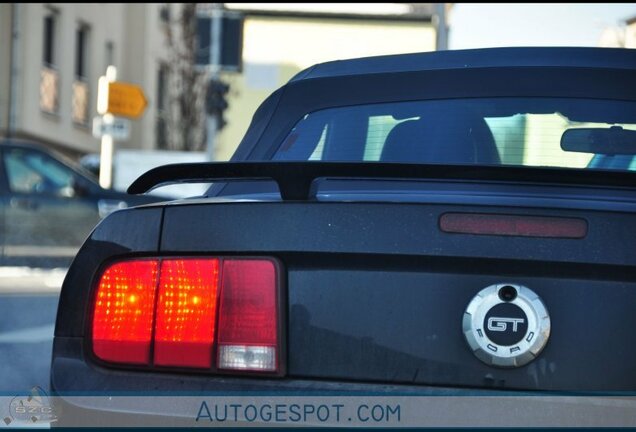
x: 590, y: 73
x: 613, y: 58
x: 531, y: 72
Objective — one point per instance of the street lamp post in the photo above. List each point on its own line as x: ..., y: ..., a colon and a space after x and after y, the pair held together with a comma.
x: 106, y: 150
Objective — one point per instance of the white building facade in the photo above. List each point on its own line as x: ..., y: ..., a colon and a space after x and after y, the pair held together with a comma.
x: 52, y: 55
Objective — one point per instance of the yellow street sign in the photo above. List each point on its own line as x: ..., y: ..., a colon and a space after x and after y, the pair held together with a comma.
x: 125, y: 100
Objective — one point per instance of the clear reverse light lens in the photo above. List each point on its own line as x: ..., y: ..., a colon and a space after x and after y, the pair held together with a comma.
x: 242, y: 357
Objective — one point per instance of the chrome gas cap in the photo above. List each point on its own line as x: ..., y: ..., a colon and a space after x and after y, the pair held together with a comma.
x: 506, y: 325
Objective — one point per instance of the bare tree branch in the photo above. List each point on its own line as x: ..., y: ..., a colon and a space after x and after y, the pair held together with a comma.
x: 185, y: 116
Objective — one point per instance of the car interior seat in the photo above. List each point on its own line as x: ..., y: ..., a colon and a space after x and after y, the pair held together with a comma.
x: 442, y: 137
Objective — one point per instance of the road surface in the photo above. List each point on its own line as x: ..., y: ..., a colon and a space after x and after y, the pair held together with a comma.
x: 28, y: 306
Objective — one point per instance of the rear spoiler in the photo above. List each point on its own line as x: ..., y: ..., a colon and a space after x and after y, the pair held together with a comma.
x: 297, y: 180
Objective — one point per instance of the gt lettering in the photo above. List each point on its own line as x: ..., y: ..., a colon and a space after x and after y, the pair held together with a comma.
x: 500, y: 324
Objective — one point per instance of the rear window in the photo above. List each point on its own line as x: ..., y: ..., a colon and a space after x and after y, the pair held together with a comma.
x: 495, y: 131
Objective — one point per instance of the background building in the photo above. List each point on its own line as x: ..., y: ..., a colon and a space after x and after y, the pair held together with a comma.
x: 630, y: 33
x: 279, y: 40
x: 52, y: 54
x: 622, y: 36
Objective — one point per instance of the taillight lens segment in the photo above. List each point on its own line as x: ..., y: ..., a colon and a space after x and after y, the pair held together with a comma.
x: 248, y: 316
x: 206, y: 313
x: 186, y: 312
x: 122, y: 322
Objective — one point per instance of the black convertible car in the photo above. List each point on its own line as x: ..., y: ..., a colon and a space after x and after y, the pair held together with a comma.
x: 447, y: 223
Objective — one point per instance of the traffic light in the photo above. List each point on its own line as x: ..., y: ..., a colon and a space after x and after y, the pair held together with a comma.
x: 215, y: 101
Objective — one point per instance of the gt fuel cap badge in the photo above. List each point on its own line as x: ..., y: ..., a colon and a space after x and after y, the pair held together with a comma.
x: 506, y: 325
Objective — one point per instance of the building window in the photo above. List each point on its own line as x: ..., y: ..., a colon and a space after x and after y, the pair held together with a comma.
x: 80, y: 97
x: 49, y: 76
x: 110, y: 54
x: 231, y: 55
x: 232, y: 45
x: 80, y: 102
x: 162, y: 95
x: 162, y: 83
x: 81, y: 51
x: 164, y: 14
x: 50, y: 31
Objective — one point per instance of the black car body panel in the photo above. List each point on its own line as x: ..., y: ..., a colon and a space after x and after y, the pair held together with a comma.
x: 374, y: 289
x: 387, y: 298
x: 135, y: 231
x: 560, y: 57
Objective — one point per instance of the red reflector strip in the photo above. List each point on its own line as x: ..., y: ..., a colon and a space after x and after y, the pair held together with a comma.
x: 122, y: 320
x: 186, y: 312
x: 248, y: 316
x: 513, y: 225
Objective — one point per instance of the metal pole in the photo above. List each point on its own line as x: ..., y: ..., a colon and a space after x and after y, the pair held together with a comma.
x: 14, y: 72
x: 107, y: 146
x: 441, y: 27
x: 106, y: 161
x: 215, y: 68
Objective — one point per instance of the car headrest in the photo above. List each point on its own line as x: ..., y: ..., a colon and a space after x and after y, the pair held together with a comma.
x: 454, y: 138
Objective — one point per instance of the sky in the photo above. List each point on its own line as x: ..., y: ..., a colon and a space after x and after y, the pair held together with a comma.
x: 475, y: 25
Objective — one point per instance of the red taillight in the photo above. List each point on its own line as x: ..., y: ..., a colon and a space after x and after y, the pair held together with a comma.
x: 122, y: 321
x: 248, y: 316
x: 186, y: 312
x: 180, y: 299
x: 513, y: 225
